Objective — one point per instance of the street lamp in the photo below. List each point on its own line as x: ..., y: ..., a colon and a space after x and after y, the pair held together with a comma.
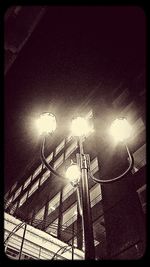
x: 81, y: 128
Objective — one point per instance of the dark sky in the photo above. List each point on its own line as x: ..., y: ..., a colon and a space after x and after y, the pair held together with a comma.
x: 69, y: 53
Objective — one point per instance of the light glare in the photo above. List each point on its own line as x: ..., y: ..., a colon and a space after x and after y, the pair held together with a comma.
x: 80, y: 127
x: 120, y: 129
x: 73, y: 173
x: 46, y: 123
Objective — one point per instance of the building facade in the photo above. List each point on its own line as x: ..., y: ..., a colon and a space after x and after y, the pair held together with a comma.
x: 119, y: 209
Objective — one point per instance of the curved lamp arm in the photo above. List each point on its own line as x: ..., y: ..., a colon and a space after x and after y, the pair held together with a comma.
x: 131, y: 162
x: 44, y: 161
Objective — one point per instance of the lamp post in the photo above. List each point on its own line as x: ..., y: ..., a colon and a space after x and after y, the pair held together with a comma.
x: 80, y: 128
x: 77, y: 176
x: 87, y: 217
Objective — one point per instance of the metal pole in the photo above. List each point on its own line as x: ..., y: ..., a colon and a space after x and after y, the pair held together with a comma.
x: 20, y: 253
x: 72, y: 240
x: 60, y: 217
x: 86, y: 209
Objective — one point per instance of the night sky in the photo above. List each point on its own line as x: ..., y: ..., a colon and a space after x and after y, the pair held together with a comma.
x: 69, y: 53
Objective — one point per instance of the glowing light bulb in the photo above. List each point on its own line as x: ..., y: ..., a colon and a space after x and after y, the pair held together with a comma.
x: 73, y: 173
x: 46, y: 123
x: 80, y: 127
x: 120, y: 129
